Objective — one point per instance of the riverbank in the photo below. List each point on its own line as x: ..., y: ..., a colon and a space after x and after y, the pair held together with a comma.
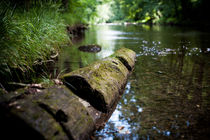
x: 30, y: 40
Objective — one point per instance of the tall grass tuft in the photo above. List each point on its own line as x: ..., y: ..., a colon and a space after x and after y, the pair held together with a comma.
x: 29, y: 36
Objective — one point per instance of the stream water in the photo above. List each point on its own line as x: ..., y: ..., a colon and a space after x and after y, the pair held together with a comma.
x: 168, y: 94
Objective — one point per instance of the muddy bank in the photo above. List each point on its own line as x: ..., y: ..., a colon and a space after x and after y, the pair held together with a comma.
x: 71, y: 111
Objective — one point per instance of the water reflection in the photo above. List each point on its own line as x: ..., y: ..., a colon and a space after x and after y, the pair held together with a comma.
x: 103, y: 37
x: 167, y: 96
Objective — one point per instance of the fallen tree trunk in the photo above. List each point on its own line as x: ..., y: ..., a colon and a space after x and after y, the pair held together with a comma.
x: 57, y: 112
x: 23, y: 119
x: 67, y: 110
x: 102, y: 82
x: 54, y: 113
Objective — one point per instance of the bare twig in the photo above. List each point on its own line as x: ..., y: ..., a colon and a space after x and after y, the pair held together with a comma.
x: 39, y: 86
x: 40, y: 63
x: 3, y: 88
x: 54, y: 56
x: 60, y: 73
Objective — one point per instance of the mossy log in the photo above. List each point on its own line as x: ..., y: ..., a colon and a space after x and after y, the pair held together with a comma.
x: 24, y: 119
x: 102, y: 82
x: 57, y: 113
x: 66, y: 108
x: 127, y: 57
x: 54, y: 113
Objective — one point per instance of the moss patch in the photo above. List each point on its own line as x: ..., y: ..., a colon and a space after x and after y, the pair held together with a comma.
x: 126, y: 56
x: 67, y: 110
x: 25, y: 118
x: 100, y: 83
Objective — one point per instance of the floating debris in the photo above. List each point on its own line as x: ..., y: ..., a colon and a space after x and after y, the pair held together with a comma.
x: 90, y: 48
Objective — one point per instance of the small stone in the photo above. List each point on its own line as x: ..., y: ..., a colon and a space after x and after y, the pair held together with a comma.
x: 58, y: 82
x: 18, y: 107
x: 197, y: 106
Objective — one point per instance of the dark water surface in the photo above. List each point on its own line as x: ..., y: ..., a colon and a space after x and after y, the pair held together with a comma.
x: 168, y: 94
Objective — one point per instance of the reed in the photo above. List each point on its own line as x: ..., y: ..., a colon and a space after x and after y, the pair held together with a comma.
x: 28, y: 36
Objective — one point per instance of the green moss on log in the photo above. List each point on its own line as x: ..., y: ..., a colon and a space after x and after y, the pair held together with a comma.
x: 66, y: 108
x: 54, y: 113
x: 126, y: 56
x: 103, y: 81
x: 23, y: 118
x: 100, y: 83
